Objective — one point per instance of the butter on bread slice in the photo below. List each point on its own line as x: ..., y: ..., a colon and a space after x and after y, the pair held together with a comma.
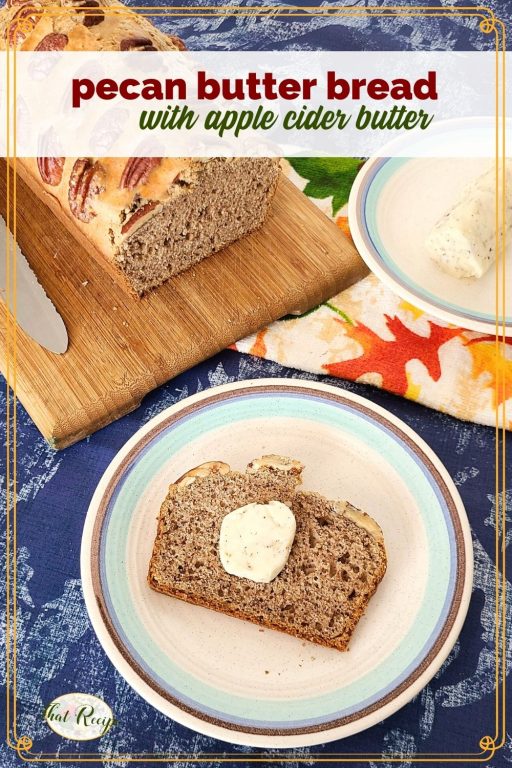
x: 336, y: 562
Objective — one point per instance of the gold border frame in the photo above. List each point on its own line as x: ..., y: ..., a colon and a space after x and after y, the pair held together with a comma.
x: 489, y: 745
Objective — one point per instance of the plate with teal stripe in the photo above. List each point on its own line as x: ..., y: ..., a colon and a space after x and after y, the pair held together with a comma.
x: 394, y: 204
x: 231, y: 679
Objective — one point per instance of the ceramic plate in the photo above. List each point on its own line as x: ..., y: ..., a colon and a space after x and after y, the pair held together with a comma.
x: 394, y: 204
x: 229, y: 678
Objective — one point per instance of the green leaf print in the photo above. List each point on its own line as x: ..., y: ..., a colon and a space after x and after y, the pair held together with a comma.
x: 328, y: 177
x: 327, y: 304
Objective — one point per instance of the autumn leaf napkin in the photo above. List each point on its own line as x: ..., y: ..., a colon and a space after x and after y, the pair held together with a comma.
x: 369, y: 334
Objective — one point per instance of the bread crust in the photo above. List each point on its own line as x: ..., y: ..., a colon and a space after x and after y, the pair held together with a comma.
x: 337, y: 644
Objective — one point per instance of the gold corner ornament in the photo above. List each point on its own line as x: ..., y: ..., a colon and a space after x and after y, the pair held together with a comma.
x: 25, y: 25
x: 488, y: 25
x: 23, y: 744
x: 488, y: 744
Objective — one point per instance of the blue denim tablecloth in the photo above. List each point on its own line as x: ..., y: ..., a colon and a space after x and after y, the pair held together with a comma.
x: 58, y: 650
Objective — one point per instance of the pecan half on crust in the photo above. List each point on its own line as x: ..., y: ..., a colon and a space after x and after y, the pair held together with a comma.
x: 22, y: 23
x: 139, y: 214
x: 136, y: 44
x: 178, y: 42
x: 51, y: 169
x: 85, y: 183
x: 55, y: 41
x: 137, y: 170
x: 92, y: 13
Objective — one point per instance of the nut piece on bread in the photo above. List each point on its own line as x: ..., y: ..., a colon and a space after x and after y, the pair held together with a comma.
x: 273, y: 462
x: 203, y: 470
x: 147, y: 218
x: 336, y: 562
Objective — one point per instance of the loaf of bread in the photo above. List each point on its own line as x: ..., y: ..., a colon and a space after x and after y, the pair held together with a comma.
x: 335, y: 564
x: 146, y: 218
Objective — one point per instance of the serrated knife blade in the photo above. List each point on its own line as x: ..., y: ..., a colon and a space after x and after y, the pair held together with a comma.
x: 35, y: 312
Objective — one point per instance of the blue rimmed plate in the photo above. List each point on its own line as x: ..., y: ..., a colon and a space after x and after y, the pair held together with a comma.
x: 229, y: 678
x: 394, y: 203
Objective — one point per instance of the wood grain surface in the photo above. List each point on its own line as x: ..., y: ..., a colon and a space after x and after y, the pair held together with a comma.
x: 120, y: 347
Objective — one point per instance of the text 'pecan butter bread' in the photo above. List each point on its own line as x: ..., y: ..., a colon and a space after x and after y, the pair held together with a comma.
x: 148, y: 218
x: 249, y: 544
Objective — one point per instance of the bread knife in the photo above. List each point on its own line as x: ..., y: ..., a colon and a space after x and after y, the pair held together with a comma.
x: 35, y: 313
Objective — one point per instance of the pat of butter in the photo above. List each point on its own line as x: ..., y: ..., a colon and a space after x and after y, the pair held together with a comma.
x: 255, y: 540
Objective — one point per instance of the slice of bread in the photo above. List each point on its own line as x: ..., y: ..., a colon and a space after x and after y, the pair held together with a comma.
x: 335, y: 565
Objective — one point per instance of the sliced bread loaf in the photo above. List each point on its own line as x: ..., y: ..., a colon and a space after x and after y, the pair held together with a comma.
x: 144, y: 219
x: 336, y: 562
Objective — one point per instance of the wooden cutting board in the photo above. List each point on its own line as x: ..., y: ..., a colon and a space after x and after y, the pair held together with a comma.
x: 120, y: 348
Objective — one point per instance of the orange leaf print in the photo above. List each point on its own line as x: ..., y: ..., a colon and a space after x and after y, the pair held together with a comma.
x: 259, y: 348
x: 389, y: 358
x: 342, y: 223
x: 487, y: 360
